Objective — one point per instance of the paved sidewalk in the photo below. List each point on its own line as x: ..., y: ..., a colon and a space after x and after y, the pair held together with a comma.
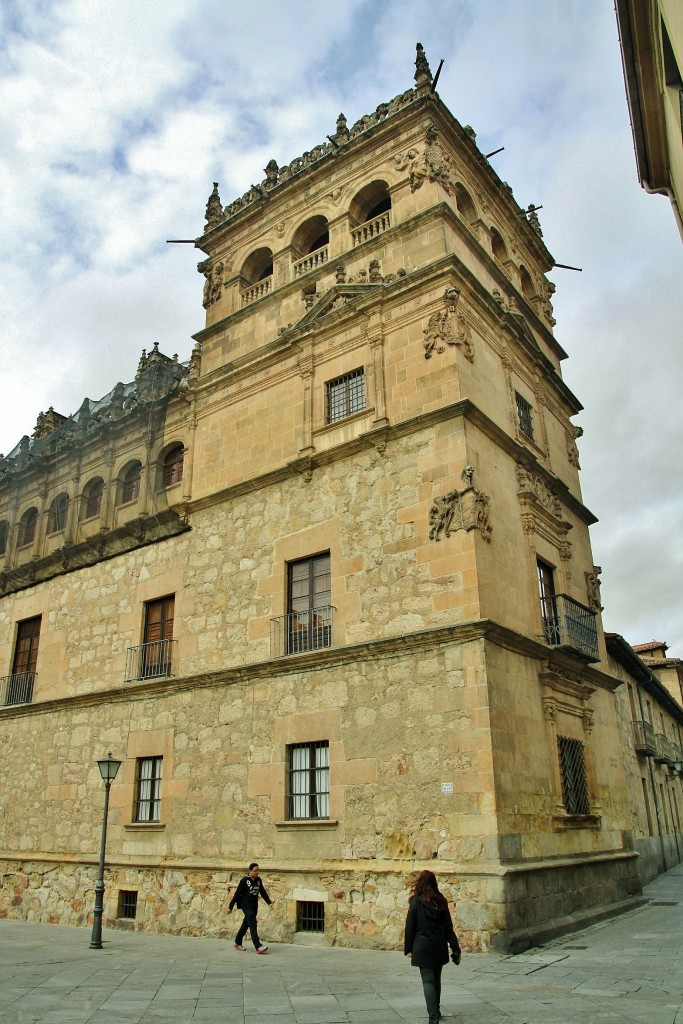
x: 628, y: 970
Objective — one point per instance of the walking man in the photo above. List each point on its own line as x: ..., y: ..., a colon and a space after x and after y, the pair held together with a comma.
x: 246, y: 897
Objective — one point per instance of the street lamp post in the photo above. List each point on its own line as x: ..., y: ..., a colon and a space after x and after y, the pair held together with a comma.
x: 109, y: 766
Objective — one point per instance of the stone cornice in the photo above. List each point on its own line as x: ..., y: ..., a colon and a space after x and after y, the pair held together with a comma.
x: 327, y: 658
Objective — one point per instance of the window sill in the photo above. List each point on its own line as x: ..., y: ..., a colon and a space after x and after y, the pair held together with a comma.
x: 327, y: 427
x: 144, y: 826
x: 306, y: 824
x: 563, y: 822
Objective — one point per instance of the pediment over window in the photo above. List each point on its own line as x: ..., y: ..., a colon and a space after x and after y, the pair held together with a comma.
x: 335, y: 298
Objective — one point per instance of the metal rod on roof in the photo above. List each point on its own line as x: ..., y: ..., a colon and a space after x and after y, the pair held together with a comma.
x: 180, y: 241
x: 436, y: 76
x: 564, y: 266
x: 487, y: 155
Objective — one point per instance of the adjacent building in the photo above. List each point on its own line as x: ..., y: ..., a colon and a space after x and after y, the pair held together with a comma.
x: 326, y: 587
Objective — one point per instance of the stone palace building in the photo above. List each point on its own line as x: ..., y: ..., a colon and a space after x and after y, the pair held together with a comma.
x: 326, y: 588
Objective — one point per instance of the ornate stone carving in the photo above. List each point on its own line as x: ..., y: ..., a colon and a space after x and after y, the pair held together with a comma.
x: 533, y: 220
x: 449, y: 327
x: 433, y: 164
x: 423, y: 74
x: 571, y: 436
x: 532, y: 483
x: 461, y: 510
x: 214, y: 210
x: 593, y: 588
x: 271, y: 171
x: 213, y: 284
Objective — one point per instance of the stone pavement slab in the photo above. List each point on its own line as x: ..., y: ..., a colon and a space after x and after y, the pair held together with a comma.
x: 626, y: 970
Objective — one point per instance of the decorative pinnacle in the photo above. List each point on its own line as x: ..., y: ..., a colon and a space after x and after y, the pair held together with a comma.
x: 214, y: 209
x: 423, y: 74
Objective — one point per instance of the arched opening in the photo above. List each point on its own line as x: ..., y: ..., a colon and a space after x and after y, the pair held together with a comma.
x: 370, y: 203
x: 4, y: 534
x: 130, y: 482
x: 258, y: 266
x: 92, y: 498
x: 27, y: 526
x: 464, y: 204
x: 498, y: 247
x: 56, y: 520
x: 526, y: 283
x: 172, y: 466
x: 313, y: 234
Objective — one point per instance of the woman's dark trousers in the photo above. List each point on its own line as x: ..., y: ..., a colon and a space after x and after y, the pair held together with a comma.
x: 431, y: 984
x: 250, y: 923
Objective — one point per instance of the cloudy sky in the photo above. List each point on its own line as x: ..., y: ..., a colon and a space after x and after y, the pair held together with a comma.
x: 115, y: 119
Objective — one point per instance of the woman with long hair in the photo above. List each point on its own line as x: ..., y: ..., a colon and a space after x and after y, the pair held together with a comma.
x: 429, y: 933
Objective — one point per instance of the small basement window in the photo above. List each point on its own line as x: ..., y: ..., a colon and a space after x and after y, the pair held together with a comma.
x: 310, y: 916
x: 128, y: 904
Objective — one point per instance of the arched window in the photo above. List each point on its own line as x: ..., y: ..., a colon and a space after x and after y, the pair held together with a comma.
x: 463, y: 201
x: 130, y: 482
x: 258, y: 266
x: 4, y: 534
x: 173, y: 466
x: 370, y: 203
x: 526, y: 282
x: 27, y: 526
x: 498, y: 247
x: 92, y: 497
x: 57, y: 514
x: 313, y: 234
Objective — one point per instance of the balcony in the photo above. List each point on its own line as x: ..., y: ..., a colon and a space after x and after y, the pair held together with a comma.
x: 664, y: 752
x: 17, y: 688
x: 371, y: 229
x: 644, y: 739
x: 256, y: 291
x: 311, y: 262
x: 150, y: 661
x: 570, y: 624
x: 301, y: 631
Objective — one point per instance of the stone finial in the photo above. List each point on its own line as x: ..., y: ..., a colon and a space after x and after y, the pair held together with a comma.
x: 142, y: 365
x: 342, y: 133
x: 470, y: 132
x: 532, y: 217
x: 340, y: 274
x: 214, y: 210
x: 272, y: 172
x: 423, y: 74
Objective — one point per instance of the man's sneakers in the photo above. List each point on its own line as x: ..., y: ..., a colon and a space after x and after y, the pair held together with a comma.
x: 262, y: 949
x: 236, y: 945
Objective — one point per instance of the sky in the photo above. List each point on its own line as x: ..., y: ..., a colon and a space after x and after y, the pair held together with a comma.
x: 116, y: 118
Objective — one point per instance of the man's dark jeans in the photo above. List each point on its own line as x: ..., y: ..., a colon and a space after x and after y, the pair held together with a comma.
x: 250, y: 923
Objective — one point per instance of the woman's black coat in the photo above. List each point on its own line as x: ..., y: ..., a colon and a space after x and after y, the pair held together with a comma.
x: 429, y: 933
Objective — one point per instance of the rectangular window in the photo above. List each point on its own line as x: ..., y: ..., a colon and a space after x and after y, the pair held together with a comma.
x: 128, y: 904
x: 310, y: 916
x: 309, y: 611
x: 148, y: 788
x: 308, y: 783
x: 524, y: 417
x: 573, y: 773
x: 549, y: 614
x: 158, y: 638
x: 20, y: 683
x: 345, y: 396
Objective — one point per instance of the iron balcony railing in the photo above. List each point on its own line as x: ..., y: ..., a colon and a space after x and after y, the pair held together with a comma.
x: 644, y: 739
x: 297, y: 632
x: 17, y: 688
x: 567, y: 623
x: 150, y: 661
x: 664, y: 749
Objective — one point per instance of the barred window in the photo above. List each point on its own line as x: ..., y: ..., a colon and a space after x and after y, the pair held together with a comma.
x: 524, y: 418
x: 310, y: 916
x: 148, y: 788
x: 128, y: 904
x: 308, y: 773
x: 573, y: 772
x: 345, y: 396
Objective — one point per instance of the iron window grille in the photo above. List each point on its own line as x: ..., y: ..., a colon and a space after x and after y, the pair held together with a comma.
x: 573, y: 773
x: 310, y: 916
x: 308, y: 783
x: 128, y: 904
x: 524, y: 416
x: 345, y: 396
x: 148, y: 788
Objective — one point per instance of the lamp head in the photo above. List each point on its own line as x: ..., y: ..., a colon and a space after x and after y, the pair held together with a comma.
x: 109, y: 767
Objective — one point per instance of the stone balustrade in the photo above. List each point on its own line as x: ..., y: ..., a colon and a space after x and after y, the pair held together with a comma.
x: 256, y: 291
x: 371, y: 228
x: 312, y: 261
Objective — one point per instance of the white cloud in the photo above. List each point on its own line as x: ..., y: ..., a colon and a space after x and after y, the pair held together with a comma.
x: 115, y: 119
